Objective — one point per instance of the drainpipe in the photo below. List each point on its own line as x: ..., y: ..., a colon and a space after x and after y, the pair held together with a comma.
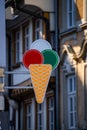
x: 56, y: 3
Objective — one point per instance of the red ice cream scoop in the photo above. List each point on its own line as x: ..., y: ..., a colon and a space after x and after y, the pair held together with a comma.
x: 32, y: 57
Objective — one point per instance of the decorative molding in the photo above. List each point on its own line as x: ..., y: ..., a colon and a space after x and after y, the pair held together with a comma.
x: 83, y: 25
x: 68, y: 49
x: 83, y: 49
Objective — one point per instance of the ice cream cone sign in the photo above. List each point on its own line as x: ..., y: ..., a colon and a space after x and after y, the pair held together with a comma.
x: 40, y: 64
x: 40, y: 74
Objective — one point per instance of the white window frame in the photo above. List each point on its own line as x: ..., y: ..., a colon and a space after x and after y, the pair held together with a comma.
x: 71, y: 95
x: 38, y: 29
x: 27, y: 37
x: 40, y: 113
x: 72, y: 14
x: 17, y: 46
x: 51, y: 109
x: 29, y: 116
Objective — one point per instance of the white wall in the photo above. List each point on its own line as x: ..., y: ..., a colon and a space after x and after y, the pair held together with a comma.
x: 2, y: 35
x: 45, y: 5
x: 18, y: 78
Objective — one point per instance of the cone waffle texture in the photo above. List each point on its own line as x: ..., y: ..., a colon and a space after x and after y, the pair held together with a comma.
x: 40, y: 74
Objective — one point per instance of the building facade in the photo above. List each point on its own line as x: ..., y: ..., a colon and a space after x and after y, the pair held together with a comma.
x: 25, y: 23
x: 73, y: 70
x: 32, y: 20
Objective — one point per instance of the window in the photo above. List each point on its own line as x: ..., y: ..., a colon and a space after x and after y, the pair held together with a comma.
x: 70, y: 13
x: 71, y: 102
x: 40, y: 117
x: 51, y: 113
x: 27, y: 38
x: 17, y: 46
x: 0, y: 125
x: 86, y: 56
x: 29, y: 117
x: 38, y: 29
x: 52, y: 40
x: 1, y: 79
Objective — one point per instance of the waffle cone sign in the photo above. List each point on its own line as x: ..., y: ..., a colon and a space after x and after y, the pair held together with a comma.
x: 40, y: 75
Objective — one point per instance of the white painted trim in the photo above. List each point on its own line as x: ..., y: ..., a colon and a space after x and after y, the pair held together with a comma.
x: 18, y: 87
x: 38, y: 29
x: 17, y: 46
x: 27, y: 36
x: 21, y: 44
x: 11, y: 111
x: 51, y: 109
x: 29, y: 115
x: 2, y: 103
x: 42, y: 113
x: 45, y: 115
x: 21, y: 116
x: 16, y: 72
x: 17, y: 120
x: 33, y: 113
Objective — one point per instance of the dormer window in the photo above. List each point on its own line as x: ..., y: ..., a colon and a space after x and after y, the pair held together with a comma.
x: 40, y: 116
x: 27, y: 38
x: 38, y: 29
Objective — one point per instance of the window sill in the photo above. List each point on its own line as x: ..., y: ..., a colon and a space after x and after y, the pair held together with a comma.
x: 67, y: 32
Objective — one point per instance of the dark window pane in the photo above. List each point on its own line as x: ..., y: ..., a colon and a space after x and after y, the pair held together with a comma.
x: 70, y: 19
x: 29, y: 122
x: 75, y: 118
x: 71, y: 104
x: 70, y: 85
x: 74, y: 84
x: 40, y: 119
x: 70, y: 5
x: 1, y: 79
x: 51, y: 113
x: 52, y: 102
x: 75, y: 103
x: 17, y: 36
x: 38, y: 24
x: 51, y: 127
x: 71, y: 119
x: 26, y: 43
x: 37, y: 34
